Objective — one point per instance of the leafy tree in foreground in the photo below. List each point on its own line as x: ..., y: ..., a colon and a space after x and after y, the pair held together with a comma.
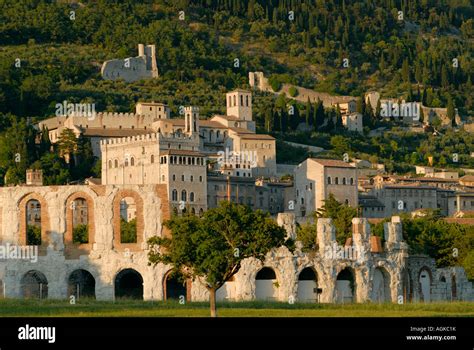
x: 213, y: 247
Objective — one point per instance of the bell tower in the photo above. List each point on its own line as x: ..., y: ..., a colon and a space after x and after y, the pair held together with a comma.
x: 239, y: 104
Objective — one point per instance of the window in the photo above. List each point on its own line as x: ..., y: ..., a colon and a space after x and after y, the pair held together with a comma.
x: 241, y: 100
x: 132, y: 161
x: 191, y: 197
x: 329, y: 180
x: 116, y: 163
x: 352, y: 180
x: 302, y: 200
x: 174, y: 177
x: 191, y: 178
x: 110, y: 164
x: 200, y: 178
x: 163, y: 178
x: 246, y: 101
x: 183, y: 195
x: 152, y: 159
x: 174, y: 195
x: 311, y: 186
x: 336, y: 181
x: 182, y: 177
x: 33, y: 222
x: 80, y: 227
x: 126, y: 161
x: 128, y: 220
x: 343, y: 180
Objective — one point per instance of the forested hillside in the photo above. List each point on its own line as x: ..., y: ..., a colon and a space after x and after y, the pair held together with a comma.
x: 420, y: 50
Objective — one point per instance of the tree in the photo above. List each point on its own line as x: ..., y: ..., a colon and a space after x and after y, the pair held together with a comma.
x: 67, y: 144
x: 405, y: 71
x: 213, y: 246
x: 341, y: 214
x: 451, y: 113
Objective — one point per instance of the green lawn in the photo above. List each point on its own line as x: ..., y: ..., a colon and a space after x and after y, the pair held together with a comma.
x: 124, y: 308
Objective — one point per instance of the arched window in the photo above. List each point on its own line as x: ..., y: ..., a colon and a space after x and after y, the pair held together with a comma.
x: 241, y: 100
x: 182, y: 177
x: 80, y: 221
x: 152, y: 159
x: 33, y: 222
x: 174, y: 177
x: 218, y: 135
x: 193, y: 211
x: 191, y: 197
x: 163, y: 178
x: 183, y: 195
x: 235, y: 100
x: 126, y: 161
x: 116, y: 163
x: 229, y: 103
x: 132, y: 161
x: 329, y: 180
x: 110, y: 164
x: 352, y: 180
x: 336, y: 181
x: 128, y: 220
x: 343, y: 180
x: 200, y: 178
x: 247, y: 101
x: 174, y: 195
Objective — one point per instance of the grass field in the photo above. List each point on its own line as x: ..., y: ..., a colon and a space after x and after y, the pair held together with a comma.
x: 127, y: 308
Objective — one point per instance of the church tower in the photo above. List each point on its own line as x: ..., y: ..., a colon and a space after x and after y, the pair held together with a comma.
x: 239, y: 104
x: 191, y: 120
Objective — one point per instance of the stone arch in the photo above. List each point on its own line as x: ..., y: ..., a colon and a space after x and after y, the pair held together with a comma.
x: 266, y: 284
x: 407, y: 286
x: 34, y: 284
x: 45, y: 230
x: 118, y: 245
x: 381, y: 292
x: 346, y: 285
x: 128, y: 284
x: 74, y: 249
x: 173, y: 289
x: 424, y: 281
x: 307, y: 285
x: 81, y: 284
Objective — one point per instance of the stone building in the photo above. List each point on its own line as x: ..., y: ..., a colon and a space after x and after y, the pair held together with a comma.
x: 132, y: 68
x: 316, y: 178
x: 353, y: 122
x: 106, y: 265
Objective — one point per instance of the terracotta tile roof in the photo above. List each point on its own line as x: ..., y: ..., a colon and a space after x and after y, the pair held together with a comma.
x: 467, y: 178
x: 251, y: 136
x: 99, y: 132
x: 333, y: 163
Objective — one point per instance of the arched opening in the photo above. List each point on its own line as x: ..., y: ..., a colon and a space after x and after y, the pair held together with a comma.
x: 129, y: 285
x: 345, y: 286
x: 425, y: 285
x: 81, y: 284
x: 407, y: 286
x: 307, y: 286
x: 454, y: 293
x: 381, y: 286
x: 174, y: 287
x: 128, y: 220
x: 266, y: 284
x: 34, y: 285
x: 80, y: 221
x: 33, y: 222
